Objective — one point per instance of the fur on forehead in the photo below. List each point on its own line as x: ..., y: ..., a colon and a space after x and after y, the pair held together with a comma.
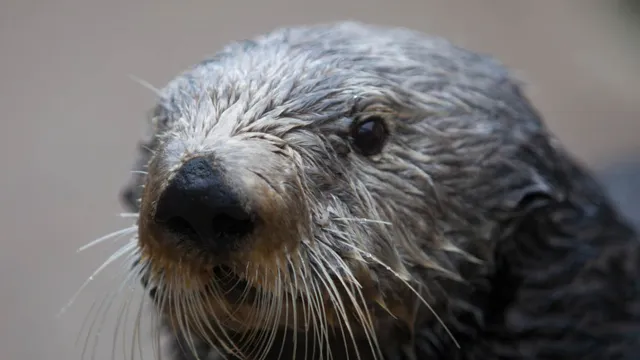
x: 331, y: 65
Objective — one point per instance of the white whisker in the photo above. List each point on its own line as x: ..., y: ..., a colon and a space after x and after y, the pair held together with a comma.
x: 145, y: 84
x: 101, y: 313
x: 123, y: 250
x: 114, y: 235
x: 370, y: 256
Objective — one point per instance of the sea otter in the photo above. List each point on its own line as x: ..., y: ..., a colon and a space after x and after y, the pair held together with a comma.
x: 355, y: 191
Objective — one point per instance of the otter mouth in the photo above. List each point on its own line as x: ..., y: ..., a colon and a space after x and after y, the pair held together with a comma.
x: 235, y: 289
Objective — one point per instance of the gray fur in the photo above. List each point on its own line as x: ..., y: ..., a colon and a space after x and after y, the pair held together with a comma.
x: 472, y: 201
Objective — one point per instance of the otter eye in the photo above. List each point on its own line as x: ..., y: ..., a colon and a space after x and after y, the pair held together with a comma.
x: 369, y: 135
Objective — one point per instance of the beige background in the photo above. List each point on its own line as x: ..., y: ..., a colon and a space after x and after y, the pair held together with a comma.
x: 71, y: 116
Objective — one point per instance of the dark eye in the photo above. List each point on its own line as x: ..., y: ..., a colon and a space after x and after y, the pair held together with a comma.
x: 369, y: 136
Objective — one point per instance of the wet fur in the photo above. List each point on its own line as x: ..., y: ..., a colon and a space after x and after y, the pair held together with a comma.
x: 513, y: 244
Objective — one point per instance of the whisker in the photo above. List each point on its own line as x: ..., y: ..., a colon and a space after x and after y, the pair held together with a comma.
x: 226, y: 343
x: 149, y: 149
x: 283, y: 304
x: 95, y: 318
x: 293, y: 292
x: 185, y: 297
x: 362, y: 313
x: 323, y: 320
x: 164, y: 293
x: 375, y: 259
x: 202, y: 323
x: 136, y: 333
x: 100, y: 317
x: 123, y: 250
x: 336, y: 300
x: 266, y: 307
x: 121, y: 318
x: 114, y: 235
x: 310, y: 316
x: 106, y: 301
x: 145, y: 84
x: 182, y: 320
x: 127, y: 282
x: 275, y: 302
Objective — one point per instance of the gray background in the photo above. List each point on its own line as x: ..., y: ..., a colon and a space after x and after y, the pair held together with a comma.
x: 71, y: 116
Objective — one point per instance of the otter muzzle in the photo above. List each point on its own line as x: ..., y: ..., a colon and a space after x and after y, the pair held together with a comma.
x: 199, y: 206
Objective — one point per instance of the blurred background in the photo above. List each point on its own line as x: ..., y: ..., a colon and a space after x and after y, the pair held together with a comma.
x: 71, y: 116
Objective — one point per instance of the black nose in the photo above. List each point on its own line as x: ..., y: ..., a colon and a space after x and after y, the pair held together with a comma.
x: 200, y: 205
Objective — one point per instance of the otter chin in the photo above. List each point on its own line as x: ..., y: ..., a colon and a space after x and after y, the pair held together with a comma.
x: 353, y: 191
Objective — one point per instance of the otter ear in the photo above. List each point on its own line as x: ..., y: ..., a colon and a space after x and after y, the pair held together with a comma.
x: 523, y: 191
x: 132, y: 191
x: 533, y: 194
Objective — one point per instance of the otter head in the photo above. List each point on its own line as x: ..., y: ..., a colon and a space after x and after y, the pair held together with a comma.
x: 339, y: 181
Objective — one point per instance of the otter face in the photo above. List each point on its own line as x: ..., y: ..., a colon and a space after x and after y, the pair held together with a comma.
x: 313, y: 179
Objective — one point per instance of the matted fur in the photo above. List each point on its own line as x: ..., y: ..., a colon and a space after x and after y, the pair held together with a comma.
x: 473, y: 235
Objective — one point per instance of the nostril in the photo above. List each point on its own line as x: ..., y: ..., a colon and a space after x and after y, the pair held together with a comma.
x: 180, y: 225
x: 227, y: 225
